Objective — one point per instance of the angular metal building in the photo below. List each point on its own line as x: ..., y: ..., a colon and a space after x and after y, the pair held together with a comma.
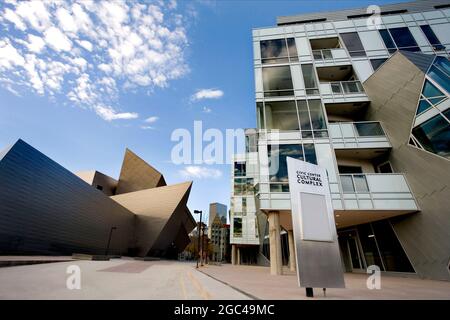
x: 46, y: 209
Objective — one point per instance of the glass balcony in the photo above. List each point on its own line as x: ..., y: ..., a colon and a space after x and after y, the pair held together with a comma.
x: 377, y: 191
x: 346, y: 87
x: 330, y: 56
x: 354, y: 135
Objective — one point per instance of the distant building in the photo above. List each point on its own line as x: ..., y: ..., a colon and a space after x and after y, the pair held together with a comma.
x: 216, y: 209
x: 46, y: 209
x: 220, y: 240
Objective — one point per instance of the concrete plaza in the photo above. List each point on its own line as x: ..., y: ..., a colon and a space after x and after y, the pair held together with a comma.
x: 114, y: 279
x: 130, y: 279
x: 257, y: 282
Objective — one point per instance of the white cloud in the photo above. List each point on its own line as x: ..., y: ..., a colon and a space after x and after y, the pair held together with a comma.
x: 89, y: 51
x: 66, y: 20
x: 207, y: 94
x: 207, y: 110
x: 152, y: 119
x: 85, y: 44
x: 57, y: 40
x: 9, y: 56
x: 200, y: 172
x: 14, y: 18
x: 35, y: 13
x: 35, y: 44
x: 108, y: 114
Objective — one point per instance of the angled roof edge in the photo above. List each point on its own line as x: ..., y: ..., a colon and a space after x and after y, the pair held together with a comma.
x: 6, y: 150
x: 421, y: 60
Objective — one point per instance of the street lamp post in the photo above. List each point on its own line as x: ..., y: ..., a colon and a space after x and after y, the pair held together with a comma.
x: 199, y: 234
x: 109, y: 240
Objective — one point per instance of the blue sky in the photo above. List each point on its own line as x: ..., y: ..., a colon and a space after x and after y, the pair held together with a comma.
x: 81, y: 82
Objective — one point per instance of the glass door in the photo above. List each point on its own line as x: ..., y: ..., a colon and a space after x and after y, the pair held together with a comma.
x: 354, y: 250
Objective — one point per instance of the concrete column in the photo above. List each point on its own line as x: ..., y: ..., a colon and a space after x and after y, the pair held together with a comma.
x: 233, y: 254
x: 238, y: 256
x: 276, y: 263
x: 292, y: 261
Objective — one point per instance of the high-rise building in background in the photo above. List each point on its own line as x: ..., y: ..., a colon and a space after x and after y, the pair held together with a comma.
x: 370, y: 103
x: 216, y: 210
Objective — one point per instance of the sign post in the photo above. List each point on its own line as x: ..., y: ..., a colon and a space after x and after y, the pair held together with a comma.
x: 316, y: 244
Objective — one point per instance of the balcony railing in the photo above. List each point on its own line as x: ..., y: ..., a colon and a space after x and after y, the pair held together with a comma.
x: 334, y: 55
x: 346, y: 87
x: 363, y: 134
x: 378, y: 191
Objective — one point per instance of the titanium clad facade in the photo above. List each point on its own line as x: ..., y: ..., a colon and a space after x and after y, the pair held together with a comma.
x: 46, y: 209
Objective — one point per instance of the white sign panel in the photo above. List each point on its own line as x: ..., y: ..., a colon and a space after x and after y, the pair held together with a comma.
x: 317, y: 250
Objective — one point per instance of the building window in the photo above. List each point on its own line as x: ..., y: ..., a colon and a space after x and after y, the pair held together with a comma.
x: 278, y: 51
x: 312, y: 118
x: 281, y: 115
x: 237, y: 227
x: 277, y: 158
x: 244, y: 204
x: 434, y: 134
x: 385, y: 168
x: 430, y: 96
x: 310, y: 79
x: 376, y: 63
x: 243, y: 186
x: 440, y: 72
x: 369, y: 129
x: 99, y: 187
x: 432, y: 39
x: 353, y: 43
x: 402, y: 38
x: 387, y: 39
x: 277, y: 81
x: 239, y: 169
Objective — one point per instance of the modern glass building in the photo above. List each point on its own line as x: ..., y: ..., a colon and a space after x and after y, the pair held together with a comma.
x: 370, y: 103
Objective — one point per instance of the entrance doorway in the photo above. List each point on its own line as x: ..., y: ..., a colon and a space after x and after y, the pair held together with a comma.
x: 351, y: 251
x: 370, y: 244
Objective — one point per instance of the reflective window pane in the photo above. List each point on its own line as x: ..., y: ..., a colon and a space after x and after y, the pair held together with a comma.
x: 239, y: 169
x: 310, y: 153
x: 360, y: 183
x: 434, y: 135
x: 317, y: 116
x: 429, y: 90
x: 274, y: 51
x: 260, y: 118
x: 292, y: 49
x: 431, y: 36
x: 277, y: 160
x: 368, y: 243
x: 443, y: 64
x: 304, y: 115
x: 392, y: 253
x: 277, y: 81
x: 404, y: 39
x: 365, y: 129
x: 423, y: 105
x: 281, y: 115
x: 347, y: 184
x: 353, y: 44
x: 376, y: 63
x: 309, y: 76
x: 440, y: 77
x: 237, y: 227
x: 387, y: 39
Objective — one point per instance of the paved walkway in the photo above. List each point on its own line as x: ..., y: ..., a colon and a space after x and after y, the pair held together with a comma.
x: 257, y: 282
x: 114, y: 279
